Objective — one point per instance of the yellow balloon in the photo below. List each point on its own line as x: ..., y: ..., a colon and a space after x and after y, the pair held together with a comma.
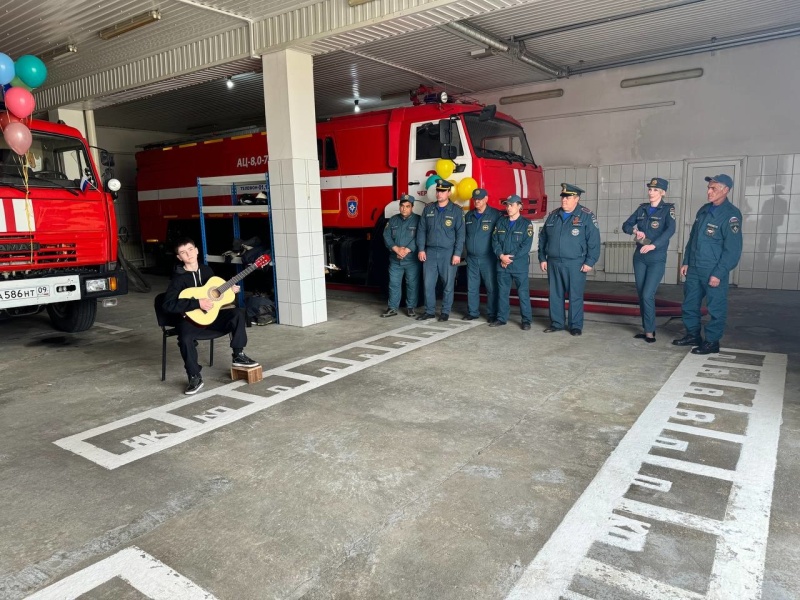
x: 445, y: 168
x: 454, y: 195
x: 466, y: 186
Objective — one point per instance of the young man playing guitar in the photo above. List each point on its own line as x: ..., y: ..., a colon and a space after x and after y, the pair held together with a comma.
x: 189, y: 275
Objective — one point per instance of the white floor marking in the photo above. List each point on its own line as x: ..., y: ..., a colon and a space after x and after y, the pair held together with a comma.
x: 738, y: 565
x: 113, y: 328
x: 151, y: 577
x: 149, y: 441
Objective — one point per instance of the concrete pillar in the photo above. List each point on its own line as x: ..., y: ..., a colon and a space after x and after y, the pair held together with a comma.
x: 294, y: 188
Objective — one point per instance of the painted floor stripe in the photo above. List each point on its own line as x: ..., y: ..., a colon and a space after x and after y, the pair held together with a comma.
x: 150, y: 441
x: 740, y: 549
x: 149, y: 576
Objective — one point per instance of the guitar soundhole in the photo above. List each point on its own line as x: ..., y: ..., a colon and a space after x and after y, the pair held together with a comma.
x: 214, y: 294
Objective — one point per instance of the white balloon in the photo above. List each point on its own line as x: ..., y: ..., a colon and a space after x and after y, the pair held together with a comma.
x: 432, y: 193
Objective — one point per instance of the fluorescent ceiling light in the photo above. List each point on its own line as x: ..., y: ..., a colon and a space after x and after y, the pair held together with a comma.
x: 59, y: 52
x: 130, y: 24
x: 661, y: 78
x: 357, y: 107
x: 229, y: 83
x: 545, y: 95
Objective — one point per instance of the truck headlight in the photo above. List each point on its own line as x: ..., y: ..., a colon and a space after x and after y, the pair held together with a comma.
x: 96, y: 285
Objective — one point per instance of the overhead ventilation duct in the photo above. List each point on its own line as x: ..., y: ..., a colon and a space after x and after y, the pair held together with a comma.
x: 516, y: 49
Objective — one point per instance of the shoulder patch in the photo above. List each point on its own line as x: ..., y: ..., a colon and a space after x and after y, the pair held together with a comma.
x: 672, y: 211
x: 734, y: 224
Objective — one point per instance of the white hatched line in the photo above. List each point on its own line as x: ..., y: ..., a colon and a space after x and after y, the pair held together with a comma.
x: 706, y: 379
x: 718, y: 405
x: 676, y: 517
x: 151, y: 577
x: 635, y: 584
x: 149, y: 442
x: 708, y: 433
x: 690, y: 467
x: 738, y: 566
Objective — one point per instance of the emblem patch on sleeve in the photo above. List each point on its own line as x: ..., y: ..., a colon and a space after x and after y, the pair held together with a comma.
x: 735, y: 225
x: 672, y: 211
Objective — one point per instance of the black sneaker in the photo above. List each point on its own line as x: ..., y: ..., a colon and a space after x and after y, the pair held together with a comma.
x: 195, y: 383
x: 390, y: 312
x: 411, y: 312
x: 242, y: 360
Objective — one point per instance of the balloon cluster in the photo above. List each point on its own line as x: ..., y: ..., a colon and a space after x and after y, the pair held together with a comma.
x: 17, y: 80
x: 460, y: 193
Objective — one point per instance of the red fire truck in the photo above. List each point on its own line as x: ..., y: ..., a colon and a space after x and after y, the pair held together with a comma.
x: 58, y: 232
x: 366, y: 160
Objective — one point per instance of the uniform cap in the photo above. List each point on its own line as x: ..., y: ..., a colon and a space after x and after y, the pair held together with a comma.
x: 406, y: 198
x: 657, y: 182
x: 723, y: 179
x: 567, y: 189
x: 479, y: 194
x: 443, y: 185
x: 512, y: 199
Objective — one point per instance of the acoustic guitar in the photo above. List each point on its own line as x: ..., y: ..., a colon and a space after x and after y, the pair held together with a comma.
x: 219, y: 291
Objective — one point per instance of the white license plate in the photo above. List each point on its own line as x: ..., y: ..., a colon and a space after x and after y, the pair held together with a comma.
x: 26, y: 293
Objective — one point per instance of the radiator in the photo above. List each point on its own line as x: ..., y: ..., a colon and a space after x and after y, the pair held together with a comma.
x: 619, y: 257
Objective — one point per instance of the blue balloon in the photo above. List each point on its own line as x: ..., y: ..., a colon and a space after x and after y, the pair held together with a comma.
x: 431, y: 180
x: 6, y: 69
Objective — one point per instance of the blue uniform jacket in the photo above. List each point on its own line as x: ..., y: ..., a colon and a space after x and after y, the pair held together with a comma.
x: 577, y: 238
x: 401, y: 232
x: 515, y: 238
x: 479, y: 231
x: 658, y: 227
x: 441, y: 230
x: 715, y: 242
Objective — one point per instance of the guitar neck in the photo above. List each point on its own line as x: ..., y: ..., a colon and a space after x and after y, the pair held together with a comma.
x: 236, y: 279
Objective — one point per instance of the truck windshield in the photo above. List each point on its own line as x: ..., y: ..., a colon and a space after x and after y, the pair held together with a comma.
x: 53, y: 161
x: 498, y: 139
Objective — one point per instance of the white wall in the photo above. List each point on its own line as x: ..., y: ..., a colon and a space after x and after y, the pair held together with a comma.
x: 122, y: 144
x: 744, y: 106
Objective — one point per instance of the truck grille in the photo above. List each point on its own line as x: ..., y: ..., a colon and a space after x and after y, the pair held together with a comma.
x: 21, y: 251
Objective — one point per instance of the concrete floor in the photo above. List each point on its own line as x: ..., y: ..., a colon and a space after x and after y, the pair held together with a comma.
x: 437, y: 471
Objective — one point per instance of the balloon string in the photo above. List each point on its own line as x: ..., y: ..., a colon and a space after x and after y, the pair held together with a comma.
x: 24, y: 164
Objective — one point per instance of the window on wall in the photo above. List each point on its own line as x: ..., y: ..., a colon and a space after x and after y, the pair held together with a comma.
x: 428, y: 145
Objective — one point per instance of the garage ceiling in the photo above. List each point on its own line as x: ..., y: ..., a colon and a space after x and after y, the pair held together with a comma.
x: 170, y: 75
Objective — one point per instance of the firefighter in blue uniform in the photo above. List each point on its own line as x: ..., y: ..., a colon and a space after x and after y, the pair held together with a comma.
x: 481, y: 261
x: 440, y: 242
x: 512, y: 239
x: 569, y: 246
x: 653, y: 224
x: 712, y: 252
x: 400, y: 237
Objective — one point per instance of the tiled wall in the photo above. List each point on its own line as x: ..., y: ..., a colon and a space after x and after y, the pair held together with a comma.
x: 771, y: 223
x: 770, y: 208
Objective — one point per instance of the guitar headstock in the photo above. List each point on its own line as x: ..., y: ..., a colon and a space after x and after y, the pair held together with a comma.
x: 263, y: 260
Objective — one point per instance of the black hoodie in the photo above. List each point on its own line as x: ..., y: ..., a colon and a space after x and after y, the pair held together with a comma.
x: 182, y: 279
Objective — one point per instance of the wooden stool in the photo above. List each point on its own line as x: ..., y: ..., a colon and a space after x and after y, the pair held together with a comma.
x: 251, y: 374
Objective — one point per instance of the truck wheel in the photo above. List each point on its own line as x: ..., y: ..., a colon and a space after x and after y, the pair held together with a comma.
x: 73, y: 317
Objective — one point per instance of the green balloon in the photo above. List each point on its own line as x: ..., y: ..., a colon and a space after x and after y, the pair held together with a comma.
x: 31, y: 70
x: 17, y: 82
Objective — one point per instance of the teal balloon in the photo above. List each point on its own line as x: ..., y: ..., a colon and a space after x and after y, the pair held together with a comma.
x: 31, y: 70
x: 6, y: 69
x: 431, y: 180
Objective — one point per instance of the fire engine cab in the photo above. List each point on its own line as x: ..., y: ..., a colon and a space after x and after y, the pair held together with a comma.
x: 58, y: 232
x: 366, y: 161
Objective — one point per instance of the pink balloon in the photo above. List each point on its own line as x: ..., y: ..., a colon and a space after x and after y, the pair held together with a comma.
x: 20, y: 102
x: 18, y: 137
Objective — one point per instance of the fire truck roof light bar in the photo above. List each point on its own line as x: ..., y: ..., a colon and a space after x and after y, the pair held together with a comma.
x: 127, y: 25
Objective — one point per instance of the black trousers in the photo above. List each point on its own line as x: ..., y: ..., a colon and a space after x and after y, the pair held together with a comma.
x: 229, y: 320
